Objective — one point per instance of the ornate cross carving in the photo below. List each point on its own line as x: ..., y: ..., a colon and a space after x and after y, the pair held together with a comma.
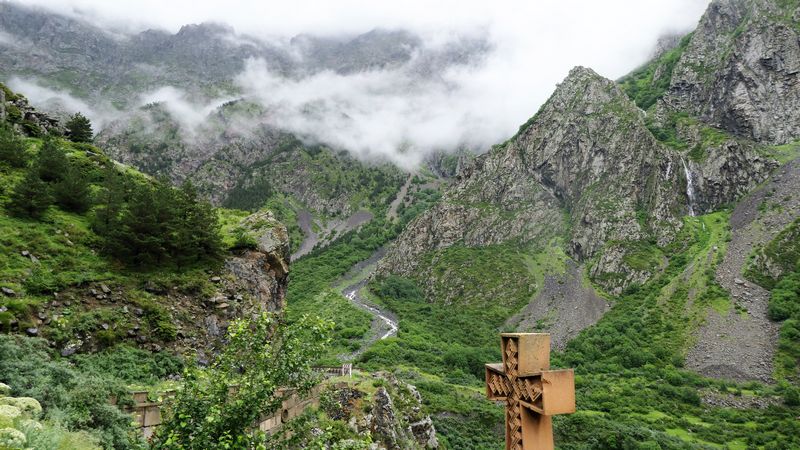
x: 531, y: 391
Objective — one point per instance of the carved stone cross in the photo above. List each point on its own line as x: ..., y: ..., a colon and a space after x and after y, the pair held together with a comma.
x: 531, y: 391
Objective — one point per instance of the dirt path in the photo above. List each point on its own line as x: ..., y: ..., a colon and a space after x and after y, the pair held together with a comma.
x: 563, y: 307
x: 384, y: 322
x: 740, y: 345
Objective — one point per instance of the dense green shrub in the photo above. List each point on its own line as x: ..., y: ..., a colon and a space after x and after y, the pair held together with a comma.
x: 71, y: 398
x: 261, y: 356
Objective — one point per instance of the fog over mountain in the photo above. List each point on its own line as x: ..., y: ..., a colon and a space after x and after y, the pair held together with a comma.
x: 382, y: 80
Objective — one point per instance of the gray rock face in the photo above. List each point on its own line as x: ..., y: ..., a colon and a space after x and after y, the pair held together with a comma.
x: 399, y: 423
x: 741, y: 71
x: 384, y: 422
x: 586, y: 153
x: 262, y: 272
x: 731, y: 170
x: 24, y: 117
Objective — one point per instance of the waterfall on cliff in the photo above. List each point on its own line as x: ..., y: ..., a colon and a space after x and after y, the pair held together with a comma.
x: 689, y: 187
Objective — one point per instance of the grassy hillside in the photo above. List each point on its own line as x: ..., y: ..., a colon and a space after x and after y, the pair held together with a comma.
x: 80, y: 321
x: 632, y: 388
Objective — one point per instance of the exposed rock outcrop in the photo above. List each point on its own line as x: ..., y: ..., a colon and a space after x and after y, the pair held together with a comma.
x: 392, y: 416
x: 727, y: 169
x: 262, y: 272
x: 25, y: 118
x: 584, y: 167
x: 741, y: 71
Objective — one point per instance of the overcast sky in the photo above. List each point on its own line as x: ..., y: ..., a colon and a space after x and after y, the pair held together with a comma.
x: 536, y: 43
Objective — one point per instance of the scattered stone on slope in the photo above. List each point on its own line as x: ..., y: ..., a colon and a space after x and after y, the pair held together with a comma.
x: 562, y: 307
x: 740, y: 345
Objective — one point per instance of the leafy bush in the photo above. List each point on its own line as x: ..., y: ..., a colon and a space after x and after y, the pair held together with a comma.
x: 261, y: 356
x: 75, y: 400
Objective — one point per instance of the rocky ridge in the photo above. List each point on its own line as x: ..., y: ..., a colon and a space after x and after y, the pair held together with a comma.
x: 741, y: 71
x: 581, y: 168
x: 26, y: 119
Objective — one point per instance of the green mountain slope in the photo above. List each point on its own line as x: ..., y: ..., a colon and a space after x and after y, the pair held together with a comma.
x: 643, y: 203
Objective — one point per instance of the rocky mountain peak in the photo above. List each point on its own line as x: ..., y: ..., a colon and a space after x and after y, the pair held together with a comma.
x: 586, y: 155
x: 741, y: 71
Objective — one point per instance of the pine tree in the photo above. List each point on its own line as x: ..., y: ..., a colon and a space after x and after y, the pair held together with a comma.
x: 109, y: 200
x: 51, y: 163
x: 31, y: 197
x: 197, y: 233
x: 72, y: 192
x: 79, y: 128
x: 12, y: 148
x: 146, y: 232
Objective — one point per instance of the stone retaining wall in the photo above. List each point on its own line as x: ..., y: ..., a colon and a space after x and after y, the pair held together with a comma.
x: 148, y: 413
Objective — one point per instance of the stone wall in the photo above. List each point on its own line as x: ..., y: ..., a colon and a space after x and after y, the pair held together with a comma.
x: 147, y: 413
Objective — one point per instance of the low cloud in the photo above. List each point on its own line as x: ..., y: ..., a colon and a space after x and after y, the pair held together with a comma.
x: 375, y: 114
x: 189, y: 114
x: 61, y: 103
x: 392, y: 113
x: 7, y: 40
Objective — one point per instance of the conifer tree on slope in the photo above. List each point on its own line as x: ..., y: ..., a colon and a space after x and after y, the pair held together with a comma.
x: 79, y: 128
x: 51, y: 163
x: 31, y: 197
x: 197, y: 234
x: 110, y: 201
x: 12, y: 148
x: 72, y: 192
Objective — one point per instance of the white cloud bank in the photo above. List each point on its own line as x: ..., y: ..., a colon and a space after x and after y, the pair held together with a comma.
x: 390, y: 113
x: 179, y: 104
x: 62, y: 102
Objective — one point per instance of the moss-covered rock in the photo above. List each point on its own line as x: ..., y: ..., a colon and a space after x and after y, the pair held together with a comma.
x: 12, y: 439
x: 29, y: 407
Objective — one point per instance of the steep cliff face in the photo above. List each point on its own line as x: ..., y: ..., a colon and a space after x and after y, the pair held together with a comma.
x: 741, y: 70
x: 585, y: 168
x: 262, y: 271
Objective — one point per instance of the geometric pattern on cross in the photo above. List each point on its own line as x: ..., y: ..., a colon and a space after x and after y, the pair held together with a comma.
x: 532, y: 392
